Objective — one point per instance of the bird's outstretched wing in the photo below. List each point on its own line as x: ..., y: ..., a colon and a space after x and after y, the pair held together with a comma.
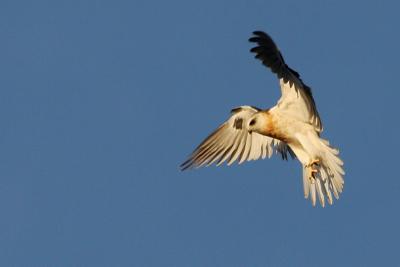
x: 232, y: 142
x: 296, y: 99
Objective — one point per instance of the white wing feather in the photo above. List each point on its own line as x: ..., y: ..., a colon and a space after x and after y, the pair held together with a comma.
x: 298, y: 103
x: 232, y: 142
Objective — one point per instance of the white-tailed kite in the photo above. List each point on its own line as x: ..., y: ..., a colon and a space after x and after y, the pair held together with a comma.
x: 292, y: 127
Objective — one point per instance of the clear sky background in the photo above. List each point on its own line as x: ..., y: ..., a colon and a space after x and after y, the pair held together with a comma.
x: 100, y: 101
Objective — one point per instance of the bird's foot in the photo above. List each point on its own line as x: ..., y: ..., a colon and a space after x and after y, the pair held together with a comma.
x: 312, y: 170
x: 313, y: 162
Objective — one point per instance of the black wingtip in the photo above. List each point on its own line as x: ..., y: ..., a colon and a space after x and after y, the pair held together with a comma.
x: 186, y: 165
x: 254, y: 39
x: 258, y: 36
x: 259, y: 33
x: 184, y: 168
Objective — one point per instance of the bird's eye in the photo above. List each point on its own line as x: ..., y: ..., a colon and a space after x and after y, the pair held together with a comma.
x: 252, y: 122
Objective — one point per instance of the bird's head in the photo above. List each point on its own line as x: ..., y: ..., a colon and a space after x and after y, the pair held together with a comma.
x: 256, y: 123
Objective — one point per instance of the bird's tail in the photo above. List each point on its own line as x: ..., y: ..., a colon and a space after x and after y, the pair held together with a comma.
x: 325, y: 177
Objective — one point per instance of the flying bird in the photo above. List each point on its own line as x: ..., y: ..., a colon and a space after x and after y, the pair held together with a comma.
x: 291, y: 128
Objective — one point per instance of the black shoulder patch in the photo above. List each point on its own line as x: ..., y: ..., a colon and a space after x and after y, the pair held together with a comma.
x: 236, y: 110
x: 238, y: 124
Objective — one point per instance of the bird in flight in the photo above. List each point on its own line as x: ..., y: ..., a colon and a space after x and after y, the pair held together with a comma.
x: 291, y: 128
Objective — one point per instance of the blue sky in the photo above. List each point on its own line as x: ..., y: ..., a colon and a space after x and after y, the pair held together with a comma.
x: 101, y: 101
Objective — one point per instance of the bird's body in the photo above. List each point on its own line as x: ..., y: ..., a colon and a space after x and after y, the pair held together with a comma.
x: 292, y: 127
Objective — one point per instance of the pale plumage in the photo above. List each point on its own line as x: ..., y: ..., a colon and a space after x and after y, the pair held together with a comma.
x: 292, y: 127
